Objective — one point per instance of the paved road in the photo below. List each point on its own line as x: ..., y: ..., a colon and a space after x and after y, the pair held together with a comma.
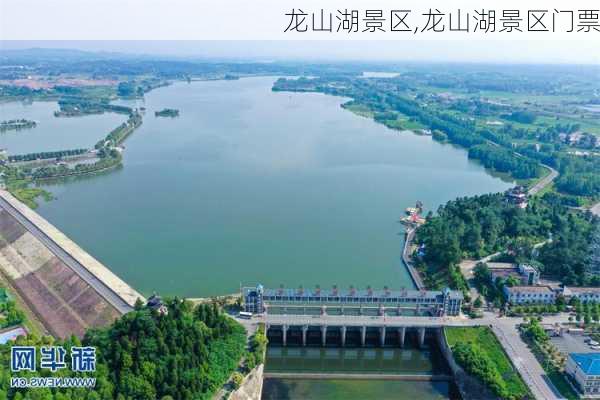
x: 523, y: 359
x: 107, y: 293
x: 595, y: 209
x: 406, y: 258
x: 545, y: 181
x: 466, y: 269
x: 366, y: 320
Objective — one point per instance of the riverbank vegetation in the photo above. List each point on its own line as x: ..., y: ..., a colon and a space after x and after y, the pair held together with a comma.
x: 188, y: 353
x: 479, y: 353
x: 17, y: 124
x: 58, y: 155
x: 120, y: 133
x: 77, y: 106
x: 167, y: 112
x: 110, y: 160
x: 20, y: 186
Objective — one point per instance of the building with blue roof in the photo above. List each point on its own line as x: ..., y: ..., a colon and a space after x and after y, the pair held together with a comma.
x: 584, y: 368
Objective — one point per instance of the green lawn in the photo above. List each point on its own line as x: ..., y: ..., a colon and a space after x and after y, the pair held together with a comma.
x: 485, y: 338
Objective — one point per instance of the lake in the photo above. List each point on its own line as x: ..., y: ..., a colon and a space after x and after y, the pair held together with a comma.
x: 248, y: 185
x: 52, y: 133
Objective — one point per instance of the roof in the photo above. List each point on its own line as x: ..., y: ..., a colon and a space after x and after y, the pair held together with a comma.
x: 582, y: 290
x: 344, y: 292
x: 12, y: 334
x: 588, y: 362
x: 504, y: 273
x: 501, y: 265
x: 530, y: 289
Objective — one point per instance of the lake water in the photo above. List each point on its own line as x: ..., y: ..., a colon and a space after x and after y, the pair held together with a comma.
x: 53, y: 133
x: 247, y: 186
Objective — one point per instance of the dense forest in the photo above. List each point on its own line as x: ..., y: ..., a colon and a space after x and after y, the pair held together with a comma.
x: 503, y: 160
x: 188, y: 354
x: 473, y: 227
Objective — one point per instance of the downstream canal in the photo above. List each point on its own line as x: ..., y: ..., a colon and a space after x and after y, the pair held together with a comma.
x: 356, y: 364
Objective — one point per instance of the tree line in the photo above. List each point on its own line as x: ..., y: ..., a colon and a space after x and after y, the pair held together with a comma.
x: 46, y: 155
x: 503, y: 160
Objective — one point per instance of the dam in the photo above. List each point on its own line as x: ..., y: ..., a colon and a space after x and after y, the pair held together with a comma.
x: 67, y: 289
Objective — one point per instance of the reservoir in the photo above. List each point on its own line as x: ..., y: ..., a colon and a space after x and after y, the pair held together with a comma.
x: 248, y: 185
x: 52, y: 133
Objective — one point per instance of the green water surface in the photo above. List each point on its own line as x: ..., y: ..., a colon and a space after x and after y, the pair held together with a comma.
x: 247, y: 186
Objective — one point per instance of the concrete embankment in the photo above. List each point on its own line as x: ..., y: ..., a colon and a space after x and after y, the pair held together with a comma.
x: 407, y: 259
x: 67, y: 289
x: 251, y: 387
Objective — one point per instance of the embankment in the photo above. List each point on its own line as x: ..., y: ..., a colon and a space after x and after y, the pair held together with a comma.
x: 67, y: 288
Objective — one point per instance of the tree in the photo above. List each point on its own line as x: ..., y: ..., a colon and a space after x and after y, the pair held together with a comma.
x: 593, y: 263
x: 512, y: 281
x: 237, y: 379
x: 534, y: 330
x: 477, y: 303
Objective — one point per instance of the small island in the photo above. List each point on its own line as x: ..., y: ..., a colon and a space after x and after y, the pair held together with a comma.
x: 17, y: 124
x: 167, y: 112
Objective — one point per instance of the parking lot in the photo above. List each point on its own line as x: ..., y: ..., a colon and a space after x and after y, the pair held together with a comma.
x: 572, y: 343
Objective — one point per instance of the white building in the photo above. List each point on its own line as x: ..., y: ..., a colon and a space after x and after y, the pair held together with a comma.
x: 524, y: 273
x: 584, y: 368
x: 583, y: 294
x: 529, y: 294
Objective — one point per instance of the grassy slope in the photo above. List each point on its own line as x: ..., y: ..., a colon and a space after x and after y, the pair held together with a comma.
x: 488, y: 342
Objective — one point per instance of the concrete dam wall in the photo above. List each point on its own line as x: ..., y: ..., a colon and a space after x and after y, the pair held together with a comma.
x: 67, y: 289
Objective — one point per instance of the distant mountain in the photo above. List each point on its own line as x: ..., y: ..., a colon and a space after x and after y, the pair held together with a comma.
x: 40, y: 55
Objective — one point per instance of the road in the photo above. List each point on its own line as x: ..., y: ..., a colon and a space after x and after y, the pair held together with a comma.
x: 523, y: 359
x: 366, y: 320
x: 107, y: 293
x: 595, y: 209
x: 406, y: 258
x: 545, y: 181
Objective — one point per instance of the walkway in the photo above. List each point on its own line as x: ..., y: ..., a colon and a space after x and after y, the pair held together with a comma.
x: 407, y: 259
x: 545, y: 181
x: 523, y: 359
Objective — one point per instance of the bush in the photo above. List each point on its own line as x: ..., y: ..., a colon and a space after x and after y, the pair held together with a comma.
x: 237, y: 379
x: 476, y: 362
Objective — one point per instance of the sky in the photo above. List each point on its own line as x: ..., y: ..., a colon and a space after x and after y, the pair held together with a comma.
x: 479, y: 51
